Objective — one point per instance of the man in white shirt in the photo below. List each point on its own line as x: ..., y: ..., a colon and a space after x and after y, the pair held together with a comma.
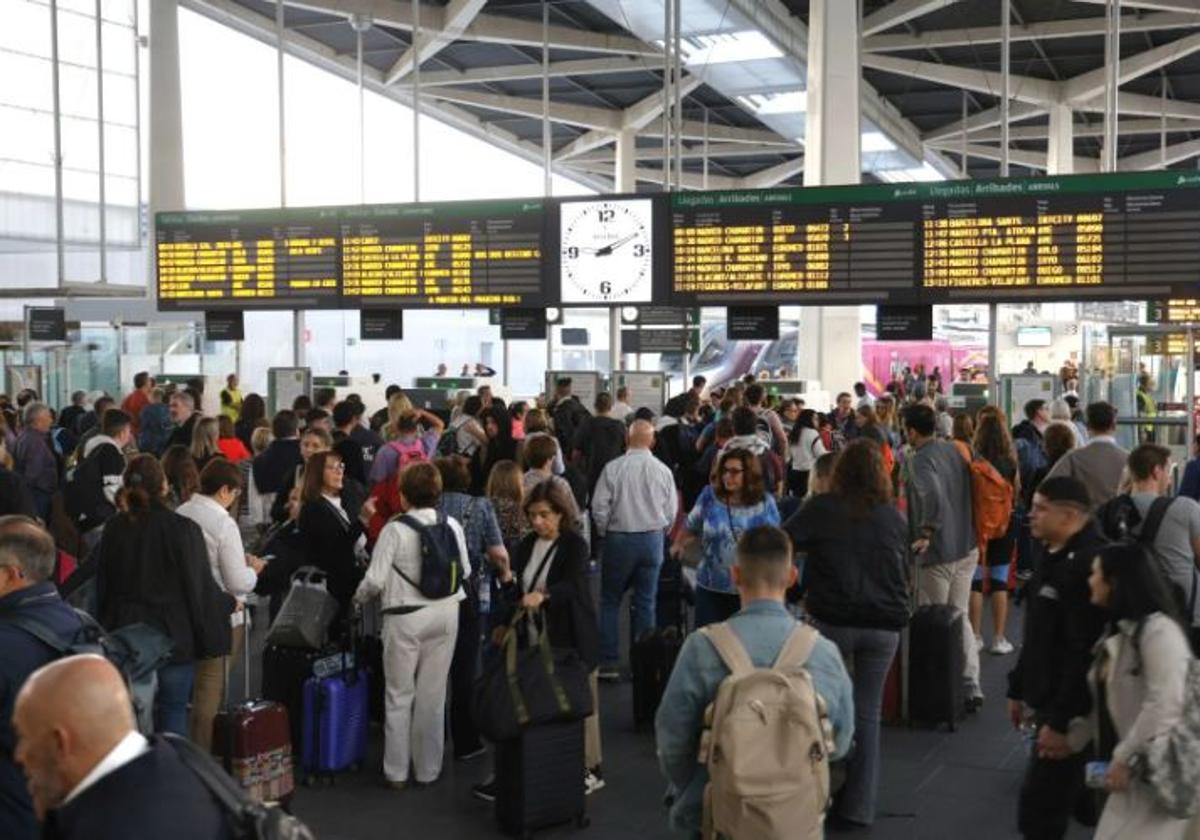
x: 633, y: 505
x: 621, y: 409
x: 92, y: 775
x: 418, y: 632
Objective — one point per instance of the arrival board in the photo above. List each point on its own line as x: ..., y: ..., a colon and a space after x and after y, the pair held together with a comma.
x: 255, y: 259
x: 1057, y: 238
x: 460, y: 254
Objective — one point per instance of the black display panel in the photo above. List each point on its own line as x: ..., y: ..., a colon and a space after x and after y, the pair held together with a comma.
x: 904, y: 323
x: 456, y: 254
x: 752, y: 323
x: 523, y: 324
x: 227, y: 325
x: 47, y: 323
x: 381, y: 324
x: 1126, y: 235
x: 253, y: 259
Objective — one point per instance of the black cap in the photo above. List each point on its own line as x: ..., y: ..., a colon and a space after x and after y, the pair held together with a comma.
x: 1065, y: 490
x: 343, y: 413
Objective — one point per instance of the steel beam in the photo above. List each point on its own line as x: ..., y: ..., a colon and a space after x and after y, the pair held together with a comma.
x: 1091, y: 84
x: 1023, y: 88
x: 533, y: 70
x: 899, y: 11
x: 1158, y: 158
x: 584, y: 115
x: 456, y: 17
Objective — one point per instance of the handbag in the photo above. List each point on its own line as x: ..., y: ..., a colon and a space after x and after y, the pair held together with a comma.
x: 525, y: 687
x: 1171, y: 761
x: 308, y: 610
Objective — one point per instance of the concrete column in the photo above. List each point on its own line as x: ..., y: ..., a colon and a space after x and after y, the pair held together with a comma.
x: 626, y: 181
x: 1060, y: 151
x: 830, y: 345
x: 166, y: 190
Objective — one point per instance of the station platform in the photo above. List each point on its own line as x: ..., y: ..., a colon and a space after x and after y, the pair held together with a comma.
x: 935, y: 785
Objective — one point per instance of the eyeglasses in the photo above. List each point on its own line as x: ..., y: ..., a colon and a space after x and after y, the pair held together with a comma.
x: 336, y: 467
x: 732, y: 471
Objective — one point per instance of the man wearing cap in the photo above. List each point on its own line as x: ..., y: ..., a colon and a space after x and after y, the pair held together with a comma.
x: 1048, y: 688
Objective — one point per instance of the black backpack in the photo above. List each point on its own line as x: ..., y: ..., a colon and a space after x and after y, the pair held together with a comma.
x: 248, y: 819
x: 441, y: 564
x: 1119, y: 517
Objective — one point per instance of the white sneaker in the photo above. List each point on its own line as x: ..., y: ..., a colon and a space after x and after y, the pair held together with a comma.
x: 592, y: 781
x: 1001, y: 646
x: 979, y: 643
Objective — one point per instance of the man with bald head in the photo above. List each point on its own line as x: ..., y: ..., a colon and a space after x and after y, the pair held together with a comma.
x: 91, y: 773
x: 633, y: 505
x: 27, y: 595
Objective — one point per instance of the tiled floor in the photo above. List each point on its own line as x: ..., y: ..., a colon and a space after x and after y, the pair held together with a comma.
x: 935, y: 785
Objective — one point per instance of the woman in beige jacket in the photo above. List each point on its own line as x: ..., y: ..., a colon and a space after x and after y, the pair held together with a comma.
x: 1138, y: 681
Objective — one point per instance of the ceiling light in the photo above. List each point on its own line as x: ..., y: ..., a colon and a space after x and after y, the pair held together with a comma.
x: 725, y: 47
x: 924, y: 172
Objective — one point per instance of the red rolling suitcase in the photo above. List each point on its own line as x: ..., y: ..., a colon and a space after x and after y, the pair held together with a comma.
x: 252, y: 740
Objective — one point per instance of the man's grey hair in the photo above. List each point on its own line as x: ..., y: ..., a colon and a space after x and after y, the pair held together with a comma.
x: 185, y: 398
x: 34, y: 410
x: 28, y: 546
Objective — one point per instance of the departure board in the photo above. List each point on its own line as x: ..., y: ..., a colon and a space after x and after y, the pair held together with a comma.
x: 460, y: 254
x: 252, y: 259
x: 782, y: 246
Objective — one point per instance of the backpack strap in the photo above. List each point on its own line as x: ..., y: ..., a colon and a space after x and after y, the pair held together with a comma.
x: 729, y: 647
x: 1154, y: 519
x: 797, y: 649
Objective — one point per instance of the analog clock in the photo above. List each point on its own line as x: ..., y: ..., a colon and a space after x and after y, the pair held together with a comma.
x: 606, y: 251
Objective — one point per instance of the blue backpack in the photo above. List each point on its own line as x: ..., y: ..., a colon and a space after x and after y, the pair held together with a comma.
x: 1030, y: 458
x: 441, y: 563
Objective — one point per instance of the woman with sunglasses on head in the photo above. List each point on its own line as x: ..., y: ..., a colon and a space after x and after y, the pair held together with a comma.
x: 235, y: 572
x: 333, y: 523
x: 1138, y: 679
x: 734, y: 501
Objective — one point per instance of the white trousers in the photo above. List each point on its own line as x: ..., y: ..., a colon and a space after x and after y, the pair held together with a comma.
x: 417, y: 649
x: 950, y: 583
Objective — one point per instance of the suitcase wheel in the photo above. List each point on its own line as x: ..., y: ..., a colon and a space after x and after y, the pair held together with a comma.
x: 583, y: 821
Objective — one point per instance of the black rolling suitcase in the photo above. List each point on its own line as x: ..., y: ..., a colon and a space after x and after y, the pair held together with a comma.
x: 674, y: 595
x: 651, y: 659
x: 284, y: 671
x: 935, y: 665
x: 540, y: 778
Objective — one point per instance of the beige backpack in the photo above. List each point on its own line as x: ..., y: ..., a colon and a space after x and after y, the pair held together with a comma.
x: 766, y: 742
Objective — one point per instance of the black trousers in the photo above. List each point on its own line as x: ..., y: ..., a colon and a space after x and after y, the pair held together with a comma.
x: 464, y: 667
x: 1049, y: 796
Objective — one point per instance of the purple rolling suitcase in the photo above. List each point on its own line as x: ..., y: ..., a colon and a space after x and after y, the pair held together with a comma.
x: 336, y: 719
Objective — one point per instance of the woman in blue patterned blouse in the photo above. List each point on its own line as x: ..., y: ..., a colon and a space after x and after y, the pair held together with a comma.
x: 734, y: 501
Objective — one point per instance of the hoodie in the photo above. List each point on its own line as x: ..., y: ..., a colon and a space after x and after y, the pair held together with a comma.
x: 91, y: 491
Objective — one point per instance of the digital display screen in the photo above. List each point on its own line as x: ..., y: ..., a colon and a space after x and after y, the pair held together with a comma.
x: 461, y: 254
x: 253, y: 259
x: 1056, y: 238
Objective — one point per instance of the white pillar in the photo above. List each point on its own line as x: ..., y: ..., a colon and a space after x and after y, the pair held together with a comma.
x: 1060, y: 152
x: 626, y: 162
x: 830, y: 345
x: 166, y: 191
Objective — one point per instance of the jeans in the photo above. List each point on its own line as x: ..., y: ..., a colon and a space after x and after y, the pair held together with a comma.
x: 171, y: 700
x: 868, y: 654
x: 713, y: 607
x: 630, y: 559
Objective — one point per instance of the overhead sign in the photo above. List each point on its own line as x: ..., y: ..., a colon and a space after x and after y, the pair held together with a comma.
x: 224, y: 325
x: 753, y: 323
x: 660, y: 340
x: 518, y: 324
x: 381, y: 324
x: 904, y: 322
x: 47, y: 323
x: 1173, y: 311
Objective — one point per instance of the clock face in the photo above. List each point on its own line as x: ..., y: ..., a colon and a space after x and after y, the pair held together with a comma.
x: 607, y: 251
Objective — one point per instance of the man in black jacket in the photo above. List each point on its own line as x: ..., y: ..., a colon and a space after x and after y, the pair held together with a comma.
x: 273, y: 466
x: 27, y: 558
x: 91, y: 494
x: 184, y: 415
x: 1048, y: 687
x: 92, y: 774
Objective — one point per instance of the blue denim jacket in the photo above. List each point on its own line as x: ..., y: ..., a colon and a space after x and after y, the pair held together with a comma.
x: 763, y: 627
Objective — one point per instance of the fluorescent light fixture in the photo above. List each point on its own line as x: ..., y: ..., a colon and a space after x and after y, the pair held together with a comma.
x: 876, y: 141
x: 764, y: 104
x: 726, y: 47
x: 924, y: 172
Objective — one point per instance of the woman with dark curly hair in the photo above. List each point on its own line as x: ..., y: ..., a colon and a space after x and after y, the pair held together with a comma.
x: 856, y: 585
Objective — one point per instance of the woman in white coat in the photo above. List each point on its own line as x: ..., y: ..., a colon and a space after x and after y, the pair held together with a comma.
x: 1138, y: 680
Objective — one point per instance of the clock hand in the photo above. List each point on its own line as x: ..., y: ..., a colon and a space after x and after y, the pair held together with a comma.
x: 608, y: 249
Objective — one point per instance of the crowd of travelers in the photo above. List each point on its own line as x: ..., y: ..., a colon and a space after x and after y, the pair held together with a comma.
x: 148, y: 514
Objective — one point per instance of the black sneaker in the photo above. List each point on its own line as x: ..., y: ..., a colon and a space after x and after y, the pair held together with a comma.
x: 473, y: 754
x: 486, y: 791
